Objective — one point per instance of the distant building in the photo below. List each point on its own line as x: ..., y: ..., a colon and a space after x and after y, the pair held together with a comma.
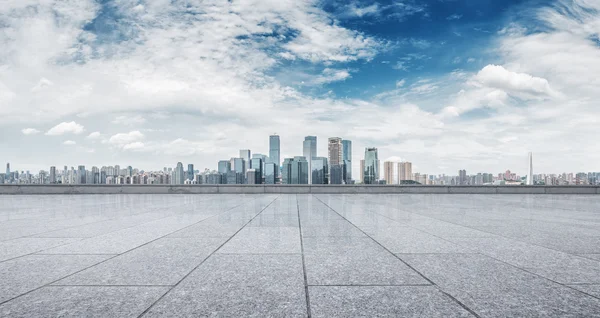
x: 179, y: 175
x: 347, y: 158
x: 224, y: 166
x: 274, y: 150
x: 335, y: 151
x: 252, y: 176
x: 294, y: 171
x: 404, y: 171
x: 271, y: 173
x: 371, y: 170
x: 462, y: 177
x: 309, y: 150
x: 362, y: 171
x: 257, y: 164
x: 239, y: 166
x: 246, y: 155
x: 190, y: 172
x: 530, y: 170
x: 319, y: 170
x: 52, y: 179
x: 336, y: 174
x: 81, y: 175
x: 388, y: 172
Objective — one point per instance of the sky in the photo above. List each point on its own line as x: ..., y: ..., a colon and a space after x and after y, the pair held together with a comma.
x: 445, y: 84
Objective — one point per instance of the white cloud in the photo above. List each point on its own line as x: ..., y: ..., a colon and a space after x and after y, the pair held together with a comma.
x: 332, y: 75
x: 400, y: 83
x: 30, y: 131
x: 94, y: 135
x: 69, y: 142
x: 66, y: 128
x: 496, y: 76
x: 134, y: 146
x: 123, y: 139
x: 454, y: 17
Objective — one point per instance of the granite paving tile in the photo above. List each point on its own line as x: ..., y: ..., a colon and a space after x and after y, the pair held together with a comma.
x: 27, y: 245
x: 264, y: 240
x: 239, y: 286
x: 593, y: 290
x: 162, y: 262
x: 382, y: 301
x: 495, y: 289
x: 78, y: 301
x: 27, y: 273
x: 410, y: 240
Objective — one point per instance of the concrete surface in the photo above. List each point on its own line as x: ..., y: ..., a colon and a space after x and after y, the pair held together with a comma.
x: 290, y: 189
x: 299, y: 255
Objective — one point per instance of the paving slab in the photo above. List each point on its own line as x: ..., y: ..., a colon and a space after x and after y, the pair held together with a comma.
x: 27, y: 245
x: 495, y: 289
x: 239, y: 286
x: 382, y: 301
x: 264, y: 240
x: 24, y: 274
x: 79, y: 301
x: 162, y: 262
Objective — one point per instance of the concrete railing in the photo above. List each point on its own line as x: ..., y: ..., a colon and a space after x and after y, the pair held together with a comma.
x: 316, y: 189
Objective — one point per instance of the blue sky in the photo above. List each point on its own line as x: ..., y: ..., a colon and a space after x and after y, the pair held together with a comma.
x: 445, y: 84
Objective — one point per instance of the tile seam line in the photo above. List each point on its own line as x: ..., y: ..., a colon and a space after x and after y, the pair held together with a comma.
x: 405, y: 263
x: 203, y: 261
x: 308, y: 310
x: 106, y: 260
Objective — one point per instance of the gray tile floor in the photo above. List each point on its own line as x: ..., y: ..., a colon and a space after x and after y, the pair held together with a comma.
x: 300, y: 255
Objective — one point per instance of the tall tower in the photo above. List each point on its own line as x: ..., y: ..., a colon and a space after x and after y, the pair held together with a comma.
x: 246, y: 155
x: 309, y: 151
x: 530, y: 170
x: 388, y: 172
x: 347, y: 158
x: 274, y: 150
x: 335, y: 151
x: 371, y: 174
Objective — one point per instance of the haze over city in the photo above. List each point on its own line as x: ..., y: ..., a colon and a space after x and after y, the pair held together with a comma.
x: 447, y: 85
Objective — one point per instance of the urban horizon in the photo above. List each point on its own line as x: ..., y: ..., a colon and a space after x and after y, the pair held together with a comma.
x: 259, y: 168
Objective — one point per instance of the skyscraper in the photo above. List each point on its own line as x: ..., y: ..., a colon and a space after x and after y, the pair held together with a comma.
x: 335, y: 151
x: 309, y: 150
x: 179, y: 174
x: 347, y: 158
x: 81, y: 175
x: 271, y: 173
x: 462, y: 177
x: 257, y: 164
x: 530, y: 170
x: 274, y: 149
x: 52, y: 175
x: 245, y: 154
x: 190, y: 172
x: 371, y: 170
x: 295, y: 171
x: 404, y: 171
x: 362, y: 170
x: 7, y: 169
x: 319, y: 170
x: 388, y: 172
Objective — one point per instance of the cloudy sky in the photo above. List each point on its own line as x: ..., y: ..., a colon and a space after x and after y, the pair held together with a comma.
x: 446, y: 84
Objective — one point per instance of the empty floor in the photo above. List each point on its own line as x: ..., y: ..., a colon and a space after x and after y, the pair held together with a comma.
x: 300, y: 255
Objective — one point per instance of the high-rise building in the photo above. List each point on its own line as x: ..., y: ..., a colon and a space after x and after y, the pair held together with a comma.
x: 404, y: 171
x: 224, y: 166
x: 52, y: 175
x: 319, y: 170
x: 347, y: 158
x: 190, y: 172
x: 309, y: 150
x: 179, y: 174
x: 362, y: 170
x: 81, y: 175
x: 462, y: 177
x: 239, y: 166
x: 7, y: 169
x: 530, y: 170
x: 335, y: 151
x: 274, y: 149
x: 257, y: 164
x: 388, y: 172
x: 294, y: 171
x: 336, y: 174
x: 245, y: 154
x: 371, y: 171
x: 271, y: 173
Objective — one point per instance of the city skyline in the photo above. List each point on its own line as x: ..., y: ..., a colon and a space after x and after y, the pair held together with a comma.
x: 443, y: 84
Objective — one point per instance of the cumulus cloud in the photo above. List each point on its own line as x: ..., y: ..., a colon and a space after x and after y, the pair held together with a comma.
x: 332, y: 75
x: 496, y: 76
x: 133, y: 146
x: 123, y: 139
x: 30, y: 131
x: 66, y: 128
x: 69, y: 142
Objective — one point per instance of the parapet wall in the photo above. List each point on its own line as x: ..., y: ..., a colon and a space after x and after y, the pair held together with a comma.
x: 315, y: 189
